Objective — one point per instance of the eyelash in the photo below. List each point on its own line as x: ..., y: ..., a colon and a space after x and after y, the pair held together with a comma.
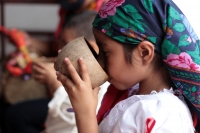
x: 105, y: 52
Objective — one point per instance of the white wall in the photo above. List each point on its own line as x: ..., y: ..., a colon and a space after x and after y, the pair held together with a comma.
x: 31, y: 17
x: 34, y: 17
x: 191, y: 9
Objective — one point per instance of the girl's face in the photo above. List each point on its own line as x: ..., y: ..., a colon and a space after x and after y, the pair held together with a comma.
x: 112, y: 59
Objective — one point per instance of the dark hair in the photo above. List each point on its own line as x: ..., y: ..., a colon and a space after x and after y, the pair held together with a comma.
x: 70, y: 5
x: 82, y: 22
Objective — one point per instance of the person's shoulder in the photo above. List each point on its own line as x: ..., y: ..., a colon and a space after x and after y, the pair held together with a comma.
x: 166, y: 109
x: 164, y: 100
x: 161, y: 104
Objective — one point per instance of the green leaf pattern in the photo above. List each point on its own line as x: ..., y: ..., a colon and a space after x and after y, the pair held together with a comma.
x: 118, y: 19
x: 169, y: 22
x: 96, y: 20
x: 168, y: 48
x: 132, y: 11
x: 175, y: 37
x: 184, y: 40
x: 153, y: 39
x: 179, y: 27
x: 148, y: 4
x: 107, y: 26
x: 120, y: 38
x: 174, y: 13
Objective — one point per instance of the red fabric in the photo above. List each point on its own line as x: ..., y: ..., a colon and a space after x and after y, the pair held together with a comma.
x: 111, y: 98
x: 28, y: 68
x: 15, y: 71
x: 62, y: 14
x: 195, y: 119
x: 17, y: 37
x: 150, y: 123
x: 4, y: 30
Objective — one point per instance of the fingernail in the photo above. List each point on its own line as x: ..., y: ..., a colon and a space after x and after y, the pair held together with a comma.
x: 70, y: 110
x: 57, y: 72
x: 81, y: 58
x: 66, y: 59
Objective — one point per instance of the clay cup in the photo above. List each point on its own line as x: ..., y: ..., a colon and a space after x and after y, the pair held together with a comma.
x: 75, y: 49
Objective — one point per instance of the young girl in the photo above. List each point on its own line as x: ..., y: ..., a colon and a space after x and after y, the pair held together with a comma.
x: 151, y: 55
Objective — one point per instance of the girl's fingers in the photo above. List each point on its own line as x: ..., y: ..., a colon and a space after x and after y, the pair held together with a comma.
x: 72, y: 71
x: 59, y: 50
x: 37, y: 69
x: 38, y: 78
x: 64, y: 80
x: 39, y: 65
x: 83, y: 70
x: 54, y: 64
x: 96, y: 91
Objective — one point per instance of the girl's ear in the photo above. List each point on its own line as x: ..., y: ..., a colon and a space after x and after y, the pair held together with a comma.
x: 146, y: 51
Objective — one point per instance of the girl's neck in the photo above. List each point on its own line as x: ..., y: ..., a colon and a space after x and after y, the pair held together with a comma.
x: 156, y: 82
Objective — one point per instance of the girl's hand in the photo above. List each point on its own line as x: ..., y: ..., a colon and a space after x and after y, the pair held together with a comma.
x: 43, y: 72
x: 79, y: 89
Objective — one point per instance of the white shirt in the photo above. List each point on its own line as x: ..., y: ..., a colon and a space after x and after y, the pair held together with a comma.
x: 59, y: 120
x: 161, y: 112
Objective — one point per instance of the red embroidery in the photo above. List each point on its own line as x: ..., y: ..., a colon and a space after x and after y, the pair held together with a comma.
x: 195, y: 119
x: 150, y: 122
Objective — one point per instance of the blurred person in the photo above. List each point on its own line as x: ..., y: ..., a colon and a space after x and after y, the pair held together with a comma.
x: 67, y: 9
x: 34, y: 116
x: 49, y: 49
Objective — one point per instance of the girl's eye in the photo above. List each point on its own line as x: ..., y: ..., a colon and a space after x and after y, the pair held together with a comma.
x: 106, y: 53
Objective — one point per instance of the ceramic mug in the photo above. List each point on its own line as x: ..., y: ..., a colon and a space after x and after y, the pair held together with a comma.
x: 75, y: 49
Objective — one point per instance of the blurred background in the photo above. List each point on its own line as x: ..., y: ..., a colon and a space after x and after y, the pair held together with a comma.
x: 40, y: 18
x: 37, y: 17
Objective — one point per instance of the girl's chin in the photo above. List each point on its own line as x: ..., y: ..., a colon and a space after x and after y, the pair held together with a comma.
x: 118, y: 86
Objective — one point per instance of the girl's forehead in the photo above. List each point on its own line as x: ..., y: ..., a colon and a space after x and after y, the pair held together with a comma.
x: 100, y: 37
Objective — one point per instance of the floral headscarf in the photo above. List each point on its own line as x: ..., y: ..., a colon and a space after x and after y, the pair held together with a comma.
x: 162, y: 23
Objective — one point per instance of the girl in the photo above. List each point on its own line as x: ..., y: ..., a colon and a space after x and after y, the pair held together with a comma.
x: 149, y: 47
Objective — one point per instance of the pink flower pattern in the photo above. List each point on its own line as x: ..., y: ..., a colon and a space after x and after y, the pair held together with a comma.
x: 189, y: 40
x: 109, y: 8
x: 183, y: 60
x: 104, y: 31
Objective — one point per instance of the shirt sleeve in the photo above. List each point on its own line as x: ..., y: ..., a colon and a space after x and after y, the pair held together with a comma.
x: 155, y: 116
x: 59, y: 120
